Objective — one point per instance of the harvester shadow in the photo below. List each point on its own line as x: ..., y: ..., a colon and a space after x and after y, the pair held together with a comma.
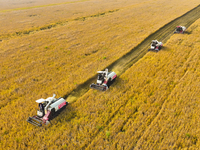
x: 111, y: 82
x: 165, y: 48
x: 66, y: 115
x: 188, y: 32
x: 118, y: 84
x: 81, y: 88
x: 58, y: 113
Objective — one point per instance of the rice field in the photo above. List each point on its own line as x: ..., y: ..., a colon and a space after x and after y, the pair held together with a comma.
x: 53, y: 47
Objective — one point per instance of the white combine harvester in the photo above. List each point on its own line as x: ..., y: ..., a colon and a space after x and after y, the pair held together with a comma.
x: 104, y: 80
x: 48, y: 109
x: 180, y: 29
x: 155, y: 45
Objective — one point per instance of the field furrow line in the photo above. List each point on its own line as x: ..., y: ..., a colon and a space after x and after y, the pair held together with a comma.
x: 133, y: 112
x: 86, y: 146
x: 106, y: 123
x: 41, y: 6
x: 52, y: 25
x: 162, y: 107
x: 138, y: 52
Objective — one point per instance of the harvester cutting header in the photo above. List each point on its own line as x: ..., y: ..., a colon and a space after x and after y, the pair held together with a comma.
x: 104, y: 80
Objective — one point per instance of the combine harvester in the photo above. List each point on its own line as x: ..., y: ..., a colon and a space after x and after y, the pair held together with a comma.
x: 155, y: 46
x: 49, y: 108
x: 180, y: 29
x: 104, y: 80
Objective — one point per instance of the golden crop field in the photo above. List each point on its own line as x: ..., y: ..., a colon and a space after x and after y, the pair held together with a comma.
x: 53, y: 47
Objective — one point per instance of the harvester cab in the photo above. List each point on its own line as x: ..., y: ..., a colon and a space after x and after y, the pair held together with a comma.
x: 48, y: 109
x: 102, y: 76
x: 104, y: 80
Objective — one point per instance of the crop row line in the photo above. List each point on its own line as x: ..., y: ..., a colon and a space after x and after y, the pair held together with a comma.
x: 106, y: 123
x: 40, y: 6
x: 136, y: 53
x: 129, y: 116
x: 160, y: 112
x: 52, y: 25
